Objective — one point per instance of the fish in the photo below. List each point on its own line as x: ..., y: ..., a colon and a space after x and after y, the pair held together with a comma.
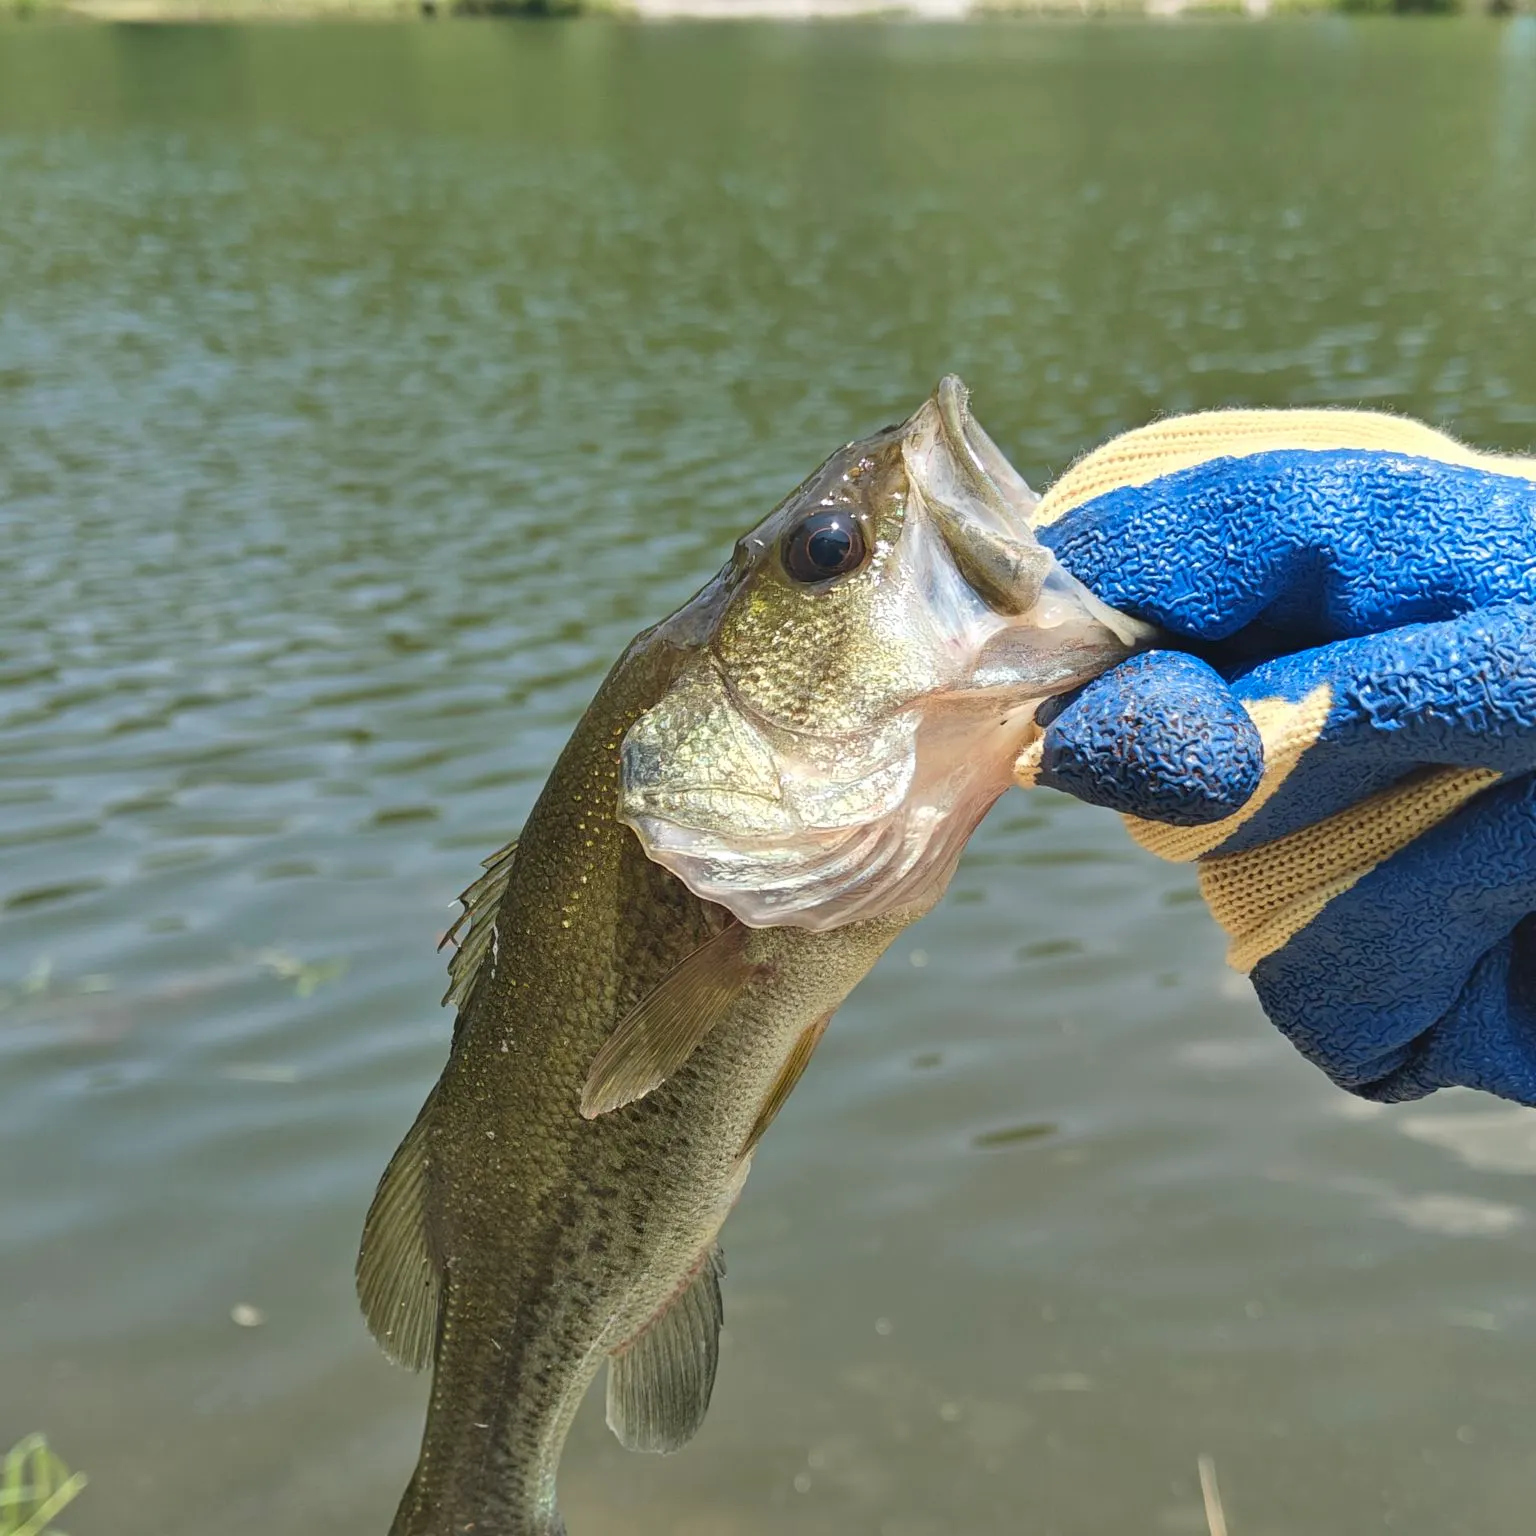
x: 768, y: 787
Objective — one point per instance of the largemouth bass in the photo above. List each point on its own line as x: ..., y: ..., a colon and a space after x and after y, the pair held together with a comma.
x: 768, y: 787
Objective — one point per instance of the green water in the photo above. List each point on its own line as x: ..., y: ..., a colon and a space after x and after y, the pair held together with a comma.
x: 361, y: 393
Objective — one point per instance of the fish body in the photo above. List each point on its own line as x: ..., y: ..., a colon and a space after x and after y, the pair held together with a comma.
x: 766, y: 790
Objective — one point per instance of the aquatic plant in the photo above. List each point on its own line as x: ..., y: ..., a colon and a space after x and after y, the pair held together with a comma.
x: 35, y: 1485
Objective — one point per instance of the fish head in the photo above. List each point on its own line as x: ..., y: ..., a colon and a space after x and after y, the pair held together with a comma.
x: 857, y: 682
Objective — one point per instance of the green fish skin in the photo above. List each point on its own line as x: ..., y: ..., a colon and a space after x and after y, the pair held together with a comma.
x: 767, y: 789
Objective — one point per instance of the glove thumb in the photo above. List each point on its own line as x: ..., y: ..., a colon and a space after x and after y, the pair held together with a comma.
x: 1161, y: 737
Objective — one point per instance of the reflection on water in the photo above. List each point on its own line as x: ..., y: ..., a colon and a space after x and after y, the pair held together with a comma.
x: 362, y: 392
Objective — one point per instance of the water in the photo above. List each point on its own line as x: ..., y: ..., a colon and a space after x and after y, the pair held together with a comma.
x: 361, y: 392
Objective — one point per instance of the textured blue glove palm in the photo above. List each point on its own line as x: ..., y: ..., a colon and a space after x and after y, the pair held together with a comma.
x: 1354, y: 764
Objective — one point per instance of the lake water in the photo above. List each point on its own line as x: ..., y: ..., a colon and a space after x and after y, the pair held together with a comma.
x: 361, y: 393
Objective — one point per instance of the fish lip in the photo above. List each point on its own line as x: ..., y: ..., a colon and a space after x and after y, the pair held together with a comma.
x: 1008, y: 496
x: 1056, y: 634
x: 1071, y: 665
x: 978, y: 503
x: 1002, y: 487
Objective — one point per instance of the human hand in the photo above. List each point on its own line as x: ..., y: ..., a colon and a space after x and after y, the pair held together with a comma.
x: 1354, y: 767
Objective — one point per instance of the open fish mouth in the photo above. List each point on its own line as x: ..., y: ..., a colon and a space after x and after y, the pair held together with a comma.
x: 838, y: 816
x: 983, y: 508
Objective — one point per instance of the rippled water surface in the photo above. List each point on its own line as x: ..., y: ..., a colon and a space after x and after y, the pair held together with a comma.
x: 361, y: 393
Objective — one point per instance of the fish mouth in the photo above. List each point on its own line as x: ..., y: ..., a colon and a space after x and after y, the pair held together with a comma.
x: 1049, y: 633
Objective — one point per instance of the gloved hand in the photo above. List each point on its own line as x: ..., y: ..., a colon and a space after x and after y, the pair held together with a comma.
x: 1352, y: 762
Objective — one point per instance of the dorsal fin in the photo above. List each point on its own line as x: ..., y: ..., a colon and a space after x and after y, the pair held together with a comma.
x: 397, y: 1280
x: 659, y: 1384
x: 664, y: 1029
x: 477, y: 923
x: 790, y: 1073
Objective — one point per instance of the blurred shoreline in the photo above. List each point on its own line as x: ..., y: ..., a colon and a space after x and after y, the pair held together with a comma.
x: 174, y: 11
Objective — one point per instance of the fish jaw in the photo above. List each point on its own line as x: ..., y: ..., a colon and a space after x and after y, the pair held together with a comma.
x: 967, y: 612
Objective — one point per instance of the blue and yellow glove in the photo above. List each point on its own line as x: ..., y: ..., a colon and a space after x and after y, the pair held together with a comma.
x: 1352, y: 763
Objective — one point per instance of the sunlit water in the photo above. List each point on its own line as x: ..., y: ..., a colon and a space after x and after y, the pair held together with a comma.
x: 361, y: 392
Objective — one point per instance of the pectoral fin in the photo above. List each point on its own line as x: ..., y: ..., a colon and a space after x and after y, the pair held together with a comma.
x: 397, y: 1280
x: 660, y: 1382
x: 665, y: 1028
x: 790, y: 1073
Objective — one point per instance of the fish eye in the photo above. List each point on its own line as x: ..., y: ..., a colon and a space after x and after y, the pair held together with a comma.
x: 823, y: 545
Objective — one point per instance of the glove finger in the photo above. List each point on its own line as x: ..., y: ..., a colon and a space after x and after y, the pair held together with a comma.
x: 1161, y: 736
x: 1454, y: 695
x: 1317, y: 544
x: 1362, y: 987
